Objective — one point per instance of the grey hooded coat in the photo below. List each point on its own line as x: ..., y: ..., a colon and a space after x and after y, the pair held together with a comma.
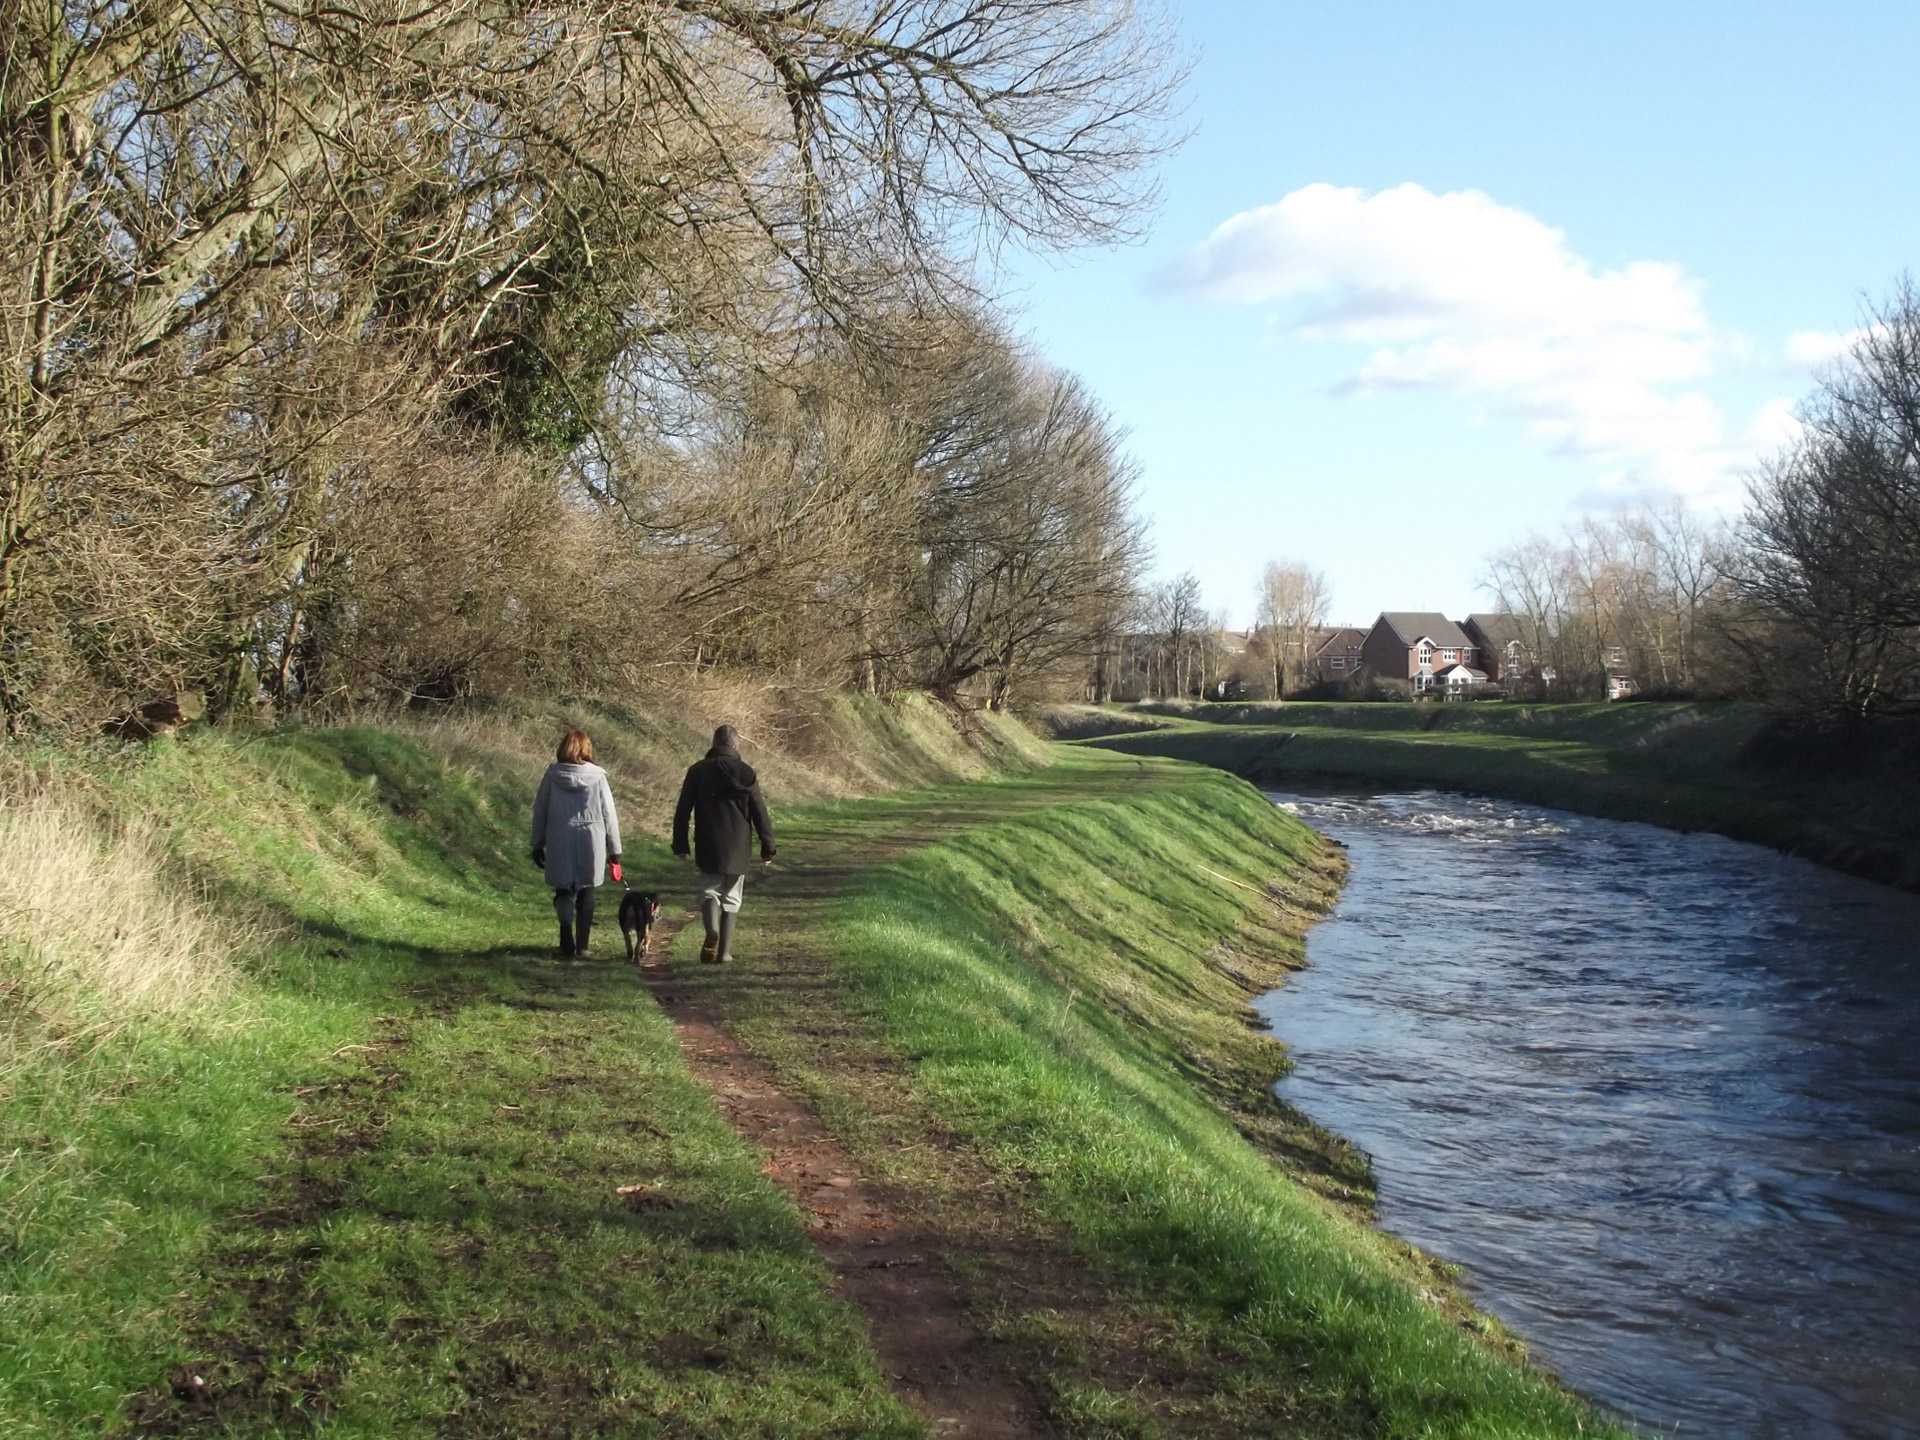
x: 575, y: 823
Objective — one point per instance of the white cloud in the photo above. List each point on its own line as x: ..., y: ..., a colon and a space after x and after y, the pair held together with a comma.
x: 1776, y: 424
x: 1461, y: 293
x: 1818, y: 347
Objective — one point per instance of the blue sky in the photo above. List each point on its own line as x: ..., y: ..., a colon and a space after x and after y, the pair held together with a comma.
x: 1484, y: 268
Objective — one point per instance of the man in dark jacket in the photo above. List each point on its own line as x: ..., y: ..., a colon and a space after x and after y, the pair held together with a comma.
x: 721, y: 795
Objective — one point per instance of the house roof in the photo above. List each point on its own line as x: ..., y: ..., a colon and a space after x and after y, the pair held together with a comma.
x: 1409, y: 625
x: 1499, y: 629
x: 1335, y: 637
x: 1477, y: 676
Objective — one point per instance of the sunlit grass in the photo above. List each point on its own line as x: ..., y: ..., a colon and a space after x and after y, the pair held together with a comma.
x: 1053, y: 976
x: 319, y: 1121
x: 92, y: 931
x: 385, y: 1201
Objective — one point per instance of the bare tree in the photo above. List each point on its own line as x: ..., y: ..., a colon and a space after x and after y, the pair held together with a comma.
x: 1628, y: 596
x: 1026, y: 556
x: 1293, y: 601
x: 241, y: 244
x: 1184, y: 617
x: 1828, y: 552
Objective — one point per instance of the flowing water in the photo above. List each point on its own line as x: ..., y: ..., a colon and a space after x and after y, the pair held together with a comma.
x: 1658, y: 1094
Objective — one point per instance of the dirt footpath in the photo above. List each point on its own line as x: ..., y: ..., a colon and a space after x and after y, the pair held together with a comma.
x: 885, y: 1259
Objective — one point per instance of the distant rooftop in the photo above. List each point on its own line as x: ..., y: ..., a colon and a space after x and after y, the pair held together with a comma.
x: 1335, y: 637
x: 1410, y: 625
x: 1498, y: 628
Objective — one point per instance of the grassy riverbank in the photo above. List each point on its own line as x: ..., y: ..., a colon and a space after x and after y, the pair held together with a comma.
x: 1063, y: 985
x: 359, y: 1169
x: 1688, y: 766
x: 353, y: 1161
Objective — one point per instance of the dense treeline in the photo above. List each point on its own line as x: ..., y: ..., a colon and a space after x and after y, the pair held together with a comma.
x: 1167, y: 644
x: 372, y: 350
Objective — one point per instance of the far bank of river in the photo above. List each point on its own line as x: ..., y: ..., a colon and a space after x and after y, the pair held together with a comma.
x: 1658, y: 1093
x: 1685, y: 765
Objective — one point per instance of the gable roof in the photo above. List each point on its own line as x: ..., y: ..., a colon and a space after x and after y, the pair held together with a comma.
x: 1497, y: 629
x: 1409, y: 625
x: 1334, y: 637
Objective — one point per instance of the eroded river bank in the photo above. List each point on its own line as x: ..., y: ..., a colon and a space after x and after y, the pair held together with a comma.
x: 1659, y: 1094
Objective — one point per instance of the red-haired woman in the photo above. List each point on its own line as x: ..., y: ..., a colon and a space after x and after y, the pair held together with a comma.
x: 575, y: 834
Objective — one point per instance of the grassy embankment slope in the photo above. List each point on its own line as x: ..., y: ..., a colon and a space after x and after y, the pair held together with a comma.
x: 1688, y: 766
x: 355, y: 1164
x: 354, y: 1157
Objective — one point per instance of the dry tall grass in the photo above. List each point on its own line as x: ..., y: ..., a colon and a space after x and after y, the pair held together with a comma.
x: 807, y: 744
x: 93, y: 932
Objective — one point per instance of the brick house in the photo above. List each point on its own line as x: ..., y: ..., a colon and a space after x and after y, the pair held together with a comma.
x: 1333, y: 652
x: 1502, y: 653
x: 1425, y: 649
x: 1511, y: 663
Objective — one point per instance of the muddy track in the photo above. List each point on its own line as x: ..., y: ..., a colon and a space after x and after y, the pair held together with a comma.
x: 886, y: 1259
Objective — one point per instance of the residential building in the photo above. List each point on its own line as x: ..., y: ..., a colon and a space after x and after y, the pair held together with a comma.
x: 1502, y: 653
x: 1419, y: 647
x: 1620, y: 681
x: 1333, y: 653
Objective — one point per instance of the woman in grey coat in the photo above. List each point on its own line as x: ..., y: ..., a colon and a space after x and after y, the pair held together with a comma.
x: 576, y: 833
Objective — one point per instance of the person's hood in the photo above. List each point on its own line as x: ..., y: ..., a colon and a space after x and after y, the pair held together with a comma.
x: 734, y: 768
x: 577, y: 777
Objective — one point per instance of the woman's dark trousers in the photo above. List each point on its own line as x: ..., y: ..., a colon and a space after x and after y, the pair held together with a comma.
x: 576, y: 900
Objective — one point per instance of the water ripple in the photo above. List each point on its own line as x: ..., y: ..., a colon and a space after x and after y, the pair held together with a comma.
x: 1658, y: 1093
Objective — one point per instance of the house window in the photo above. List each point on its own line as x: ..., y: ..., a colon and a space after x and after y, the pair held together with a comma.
x: 1426, y: 654
x: 1449, y: 655
x: 1339, y: 663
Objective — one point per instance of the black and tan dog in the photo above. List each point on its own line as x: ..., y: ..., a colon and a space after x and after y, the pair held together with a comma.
x: 637, y: 914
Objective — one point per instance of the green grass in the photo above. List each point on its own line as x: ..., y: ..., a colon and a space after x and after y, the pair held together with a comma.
x: 328, y: 1210
x: 318, y: 1199
x: 1683, y: 765
x: 1063, y: 978
x: 379, y: 1195
x: 1079, y: 1075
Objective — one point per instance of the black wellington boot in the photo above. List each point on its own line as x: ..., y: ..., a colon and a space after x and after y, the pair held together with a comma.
x: 566, y: 938
x: 585, y: 905
x: 726, y: 938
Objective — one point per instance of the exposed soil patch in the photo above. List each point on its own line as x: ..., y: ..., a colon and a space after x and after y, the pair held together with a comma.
x: 903, y: 1273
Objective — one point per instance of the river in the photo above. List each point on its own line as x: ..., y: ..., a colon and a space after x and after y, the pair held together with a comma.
x: 1658, y: 1094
